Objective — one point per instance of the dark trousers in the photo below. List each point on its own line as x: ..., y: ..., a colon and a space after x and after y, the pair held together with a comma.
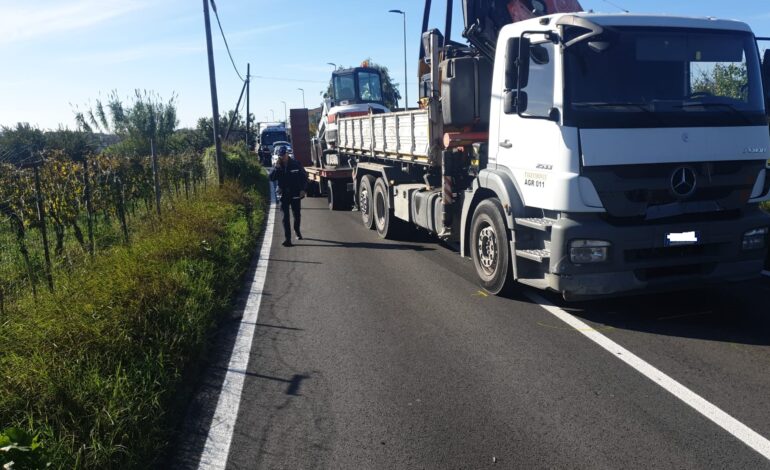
x: 295, y: 205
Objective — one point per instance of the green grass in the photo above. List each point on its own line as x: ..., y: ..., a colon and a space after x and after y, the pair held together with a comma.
x: 96, y: 369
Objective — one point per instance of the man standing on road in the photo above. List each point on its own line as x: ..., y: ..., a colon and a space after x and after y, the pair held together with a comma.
x: 291, y: 180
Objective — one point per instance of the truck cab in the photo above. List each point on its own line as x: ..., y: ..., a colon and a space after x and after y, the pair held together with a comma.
x: 628, y: 152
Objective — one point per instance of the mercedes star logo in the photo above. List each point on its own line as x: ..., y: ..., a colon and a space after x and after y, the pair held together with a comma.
x: 683, y: 182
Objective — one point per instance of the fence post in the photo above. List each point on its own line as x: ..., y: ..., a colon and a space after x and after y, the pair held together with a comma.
x: 155, y: 175
x: 44, y: 232
x: 89, y: 207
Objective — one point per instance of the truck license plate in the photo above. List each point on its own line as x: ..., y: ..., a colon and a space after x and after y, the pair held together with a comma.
x: 682, y: 238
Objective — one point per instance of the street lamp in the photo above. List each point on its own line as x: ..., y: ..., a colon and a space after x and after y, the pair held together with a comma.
x: 406, y: 89
x: 303, y: 97
x: 285, y: 114
x: 332, y: 64
x: 273, y: 112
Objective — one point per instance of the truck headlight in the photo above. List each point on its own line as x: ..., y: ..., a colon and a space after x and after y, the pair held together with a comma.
x: 588, y: 251
x: 755, y: 239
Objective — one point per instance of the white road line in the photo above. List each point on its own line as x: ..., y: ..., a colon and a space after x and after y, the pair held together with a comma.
x: 748, y: 436
x: 220, y: 435
x: 766, y: 273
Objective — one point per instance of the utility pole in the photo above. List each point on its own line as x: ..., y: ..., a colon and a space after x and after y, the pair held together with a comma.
x: 285, y: 113
x: 214, y: 99
x: 248, y: 113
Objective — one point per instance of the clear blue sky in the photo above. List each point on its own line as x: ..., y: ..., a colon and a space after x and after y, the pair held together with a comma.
x: 59, y: 53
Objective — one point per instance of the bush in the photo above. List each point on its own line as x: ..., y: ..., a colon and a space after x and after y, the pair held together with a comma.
x: 96, y: 368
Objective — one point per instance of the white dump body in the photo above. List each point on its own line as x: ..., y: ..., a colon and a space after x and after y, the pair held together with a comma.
x: 396, y: 136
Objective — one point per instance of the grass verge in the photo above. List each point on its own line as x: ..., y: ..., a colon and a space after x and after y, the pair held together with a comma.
x: 92, y: 373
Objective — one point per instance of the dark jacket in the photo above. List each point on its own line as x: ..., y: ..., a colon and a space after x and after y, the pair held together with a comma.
x: 291, y: 180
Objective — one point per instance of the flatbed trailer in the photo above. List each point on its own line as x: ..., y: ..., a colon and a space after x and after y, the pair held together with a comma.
x: 324, y: 179
x: 335, y: 183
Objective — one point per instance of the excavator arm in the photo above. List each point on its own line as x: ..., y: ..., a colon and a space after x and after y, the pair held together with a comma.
x: 483, y: 19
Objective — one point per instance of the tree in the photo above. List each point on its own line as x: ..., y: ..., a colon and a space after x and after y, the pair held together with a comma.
x: 205, y: 130
x: 146, y: 118
x: 21, y: 144
x: 77, y: 145
x: 390, y: 91
x: 723, y: 80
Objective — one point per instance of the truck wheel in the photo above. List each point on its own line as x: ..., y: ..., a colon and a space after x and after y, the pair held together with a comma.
x: 386, y: 225
x: 311, y: 189
x: 489, y: 248
x: 337, y: 195
x: 365, y: 201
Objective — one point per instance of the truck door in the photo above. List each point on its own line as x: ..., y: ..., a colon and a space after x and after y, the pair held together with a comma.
x: 529, y: 142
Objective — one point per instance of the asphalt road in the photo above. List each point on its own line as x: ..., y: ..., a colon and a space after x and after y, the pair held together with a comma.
x: 374, y: 354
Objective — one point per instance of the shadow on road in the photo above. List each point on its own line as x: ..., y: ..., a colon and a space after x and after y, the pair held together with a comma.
x: 731, y: 313
x: 365, y: 245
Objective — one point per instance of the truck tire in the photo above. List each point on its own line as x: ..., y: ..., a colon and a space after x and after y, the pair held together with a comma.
x: 337, y: 195
x: 365, y: 199
x: 489, y: 248
x: 312, y: 189
x: 385, y: 223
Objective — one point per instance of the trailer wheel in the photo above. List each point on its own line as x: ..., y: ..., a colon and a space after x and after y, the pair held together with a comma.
x: 366, y: 200
x: 311, y: 189
x: 490, y: 249
x: 337, y: 195
x: 386, y: 225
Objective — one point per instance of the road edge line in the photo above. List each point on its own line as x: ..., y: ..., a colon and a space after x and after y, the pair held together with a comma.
x: 217, y: 447
x: 739, y: 430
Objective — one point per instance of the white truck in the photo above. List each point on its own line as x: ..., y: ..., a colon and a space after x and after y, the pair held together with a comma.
x: 587, y: 154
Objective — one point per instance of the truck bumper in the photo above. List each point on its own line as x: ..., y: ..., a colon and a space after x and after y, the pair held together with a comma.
x: 639, y: 260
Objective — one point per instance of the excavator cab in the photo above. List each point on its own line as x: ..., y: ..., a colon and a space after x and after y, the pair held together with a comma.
x: 359, y: 85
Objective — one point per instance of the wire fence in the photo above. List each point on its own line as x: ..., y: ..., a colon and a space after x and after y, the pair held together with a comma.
x: 56, y: 210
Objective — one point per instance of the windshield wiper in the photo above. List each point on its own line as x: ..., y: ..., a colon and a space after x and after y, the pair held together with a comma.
x: 620, y: 104
x: 640, y: 106
x: 732, y: 109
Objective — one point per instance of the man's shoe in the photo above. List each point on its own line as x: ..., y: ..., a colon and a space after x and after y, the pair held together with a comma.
x: 299, y: 236
x: 287, y: 243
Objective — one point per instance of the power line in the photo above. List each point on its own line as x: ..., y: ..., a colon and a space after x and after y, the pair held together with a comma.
x: 288, y: 79
x: 216, y: 15
x: 613, y: 4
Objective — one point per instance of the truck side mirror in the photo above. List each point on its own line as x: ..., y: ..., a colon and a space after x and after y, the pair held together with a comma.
x: 515, y: 102
x: 517, y: 63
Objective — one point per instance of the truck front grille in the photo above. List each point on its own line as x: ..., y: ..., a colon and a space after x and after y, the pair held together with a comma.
x: 644, y: 191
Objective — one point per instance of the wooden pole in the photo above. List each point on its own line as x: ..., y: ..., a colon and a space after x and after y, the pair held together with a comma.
x: 155, y: 175
x: 43, y: 231
x: 214, y: 99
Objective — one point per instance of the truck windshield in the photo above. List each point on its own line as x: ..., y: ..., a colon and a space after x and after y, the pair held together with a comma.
x: 643, y: 77
x: 270, y: 137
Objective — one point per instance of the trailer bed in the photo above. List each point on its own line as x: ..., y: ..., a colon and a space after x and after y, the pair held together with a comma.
x: 403, y: 136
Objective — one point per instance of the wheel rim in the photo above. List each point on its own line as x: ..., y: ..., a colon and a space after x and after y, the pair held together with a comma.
x: 487, y: 249
x: 379, y: 201
x: 363, y: 202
